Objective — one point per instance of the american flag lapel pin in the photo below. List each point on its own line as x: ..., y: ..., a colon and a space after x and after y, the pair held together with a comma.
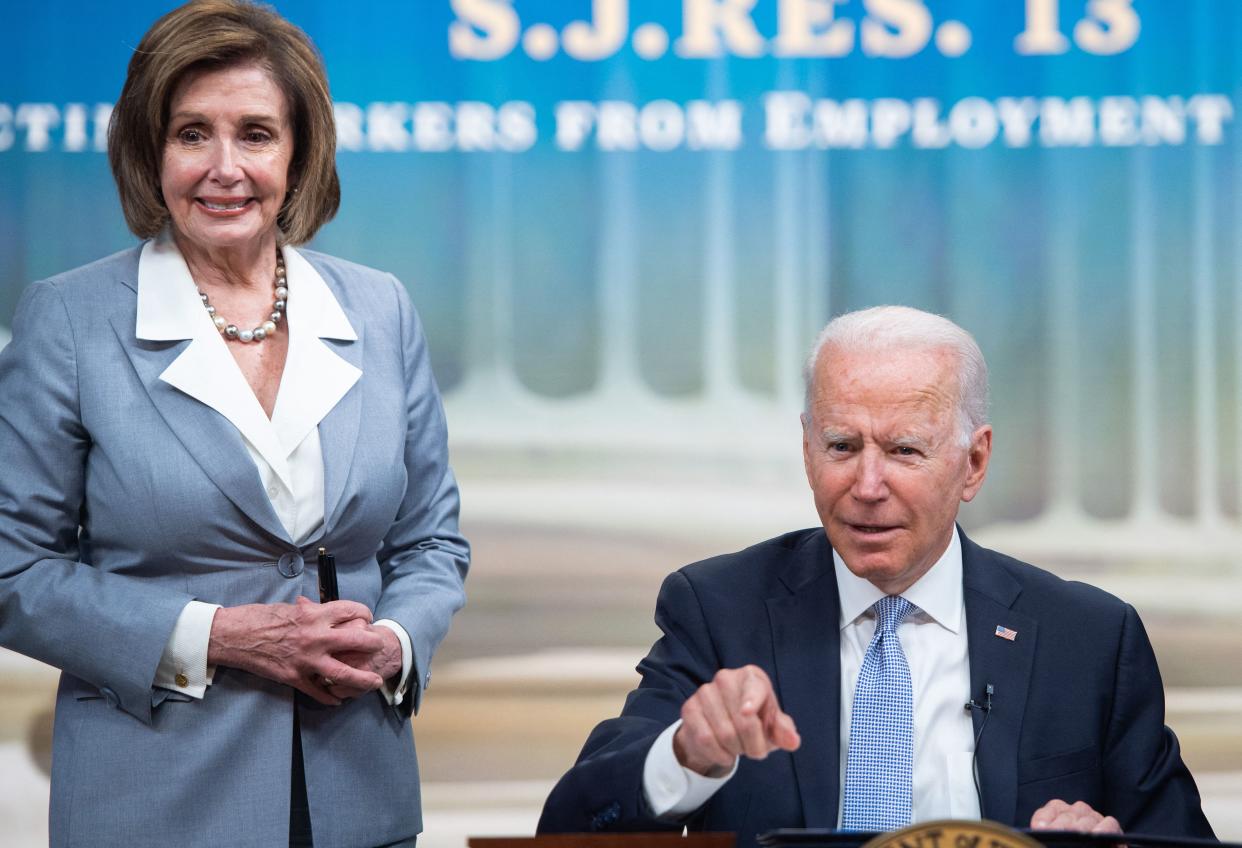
x: 1005, y: 633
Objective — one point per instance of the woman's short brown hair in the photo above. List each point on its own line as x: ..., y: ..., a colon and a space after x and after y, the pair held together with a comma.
x: 211, y: 35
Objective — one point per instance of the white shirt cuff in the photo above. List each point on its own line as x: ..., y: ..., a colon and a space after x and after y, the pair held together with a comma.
x: 672, y: 790
x: 183, y: 665
x: 396, y: 694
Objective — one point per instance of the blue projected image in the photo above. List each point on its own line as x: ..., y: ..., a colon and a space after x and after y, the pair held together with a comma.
x: 623, y: 223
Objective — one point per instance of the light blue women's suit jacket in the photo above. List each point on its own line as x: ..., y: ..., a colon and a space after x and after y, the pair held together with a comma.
x: 121, y: 499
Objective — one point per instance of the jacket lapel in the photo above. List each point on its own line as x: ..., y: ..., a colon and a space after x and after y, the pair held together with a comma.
x: 206, y: 402
x: 330, y: 348
x: 806, y: 643
x: 338, y: 430
x: 990, y: 592
x: 207, y: 436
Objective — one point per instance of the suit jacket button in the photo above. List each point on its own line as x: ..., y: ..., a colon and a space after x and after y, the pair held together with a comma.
x: 110, y: 696
x: 290, y: 565
x: 607, y: 817
x: 181, y: 680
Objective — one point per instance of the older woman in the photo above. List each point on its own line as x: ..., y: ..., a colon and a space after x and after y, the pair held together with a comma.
x: 183, y: 425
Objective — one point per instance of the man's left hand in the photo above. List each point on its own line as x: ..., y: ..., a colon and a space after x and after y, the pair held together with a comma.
x: 1078, y: 817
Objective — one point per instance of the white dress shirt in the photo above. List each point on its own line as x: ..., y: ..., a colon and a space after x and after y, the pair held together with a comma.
x: 285, y: 448
x: 934, y: 642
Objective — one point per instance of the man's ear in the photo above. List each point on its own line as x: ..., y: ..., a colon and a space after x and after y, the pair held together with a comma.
x: 977, y: 456
x: 806, y: 446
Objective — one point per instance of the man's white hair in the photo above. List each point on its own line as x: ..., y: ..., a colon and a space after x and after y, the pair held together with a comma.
x: 883, y: 328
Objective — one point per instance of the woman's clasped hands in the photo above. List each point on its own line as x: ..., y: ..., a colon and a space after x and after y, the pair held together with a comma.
x: 329, y: 651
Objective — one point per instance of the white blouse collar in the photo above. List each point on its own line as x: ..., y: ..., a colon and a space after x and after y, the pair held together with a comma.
x: 169, y: 307
x: 315, y: 377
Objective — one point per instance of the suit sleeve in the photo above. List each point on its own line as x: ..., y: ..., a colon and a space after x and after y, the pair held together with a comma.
x: 107, y: 629
x: 424, y: 558
x: 604, y: 789
x: 1150, y: 790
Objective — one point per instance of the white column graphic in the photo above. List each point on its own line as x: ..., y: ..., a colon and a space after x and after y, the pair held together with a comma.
x: 618, y: 307
x: 789, y: 306
x: 490, y: 346
x: 1064, y: 409
x: 1145, y: 492
x: 720, y: 364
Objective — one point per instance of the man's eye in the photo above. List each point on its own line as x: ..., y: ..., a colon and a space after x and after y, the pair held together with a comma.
x: 839, y: 447
x: 906, y: 450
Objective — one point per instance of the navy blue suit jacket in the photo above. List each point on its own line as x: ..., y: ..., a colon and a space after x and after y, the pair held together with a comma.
x: 1078, y: 710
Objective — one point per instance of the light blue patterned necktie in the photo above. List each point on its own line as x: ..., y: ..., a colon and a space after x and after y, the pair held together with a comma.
x: 879, y: 769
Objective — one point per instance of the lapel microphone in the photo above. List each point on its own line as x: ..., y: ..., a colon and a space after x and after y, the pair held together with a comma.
x: 986, y: 706
x: 986, y: 709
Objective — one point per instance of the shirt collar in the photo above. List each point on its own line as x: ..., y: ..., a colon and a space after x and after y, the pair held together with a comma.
x: 315, y: 377
x: 169, y: 307
x: 938, y: 593
x: 315, y: 308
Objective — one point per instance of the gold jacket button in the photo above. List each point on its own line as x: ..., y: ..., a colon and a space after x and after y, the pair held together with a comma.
x: 182, y: 680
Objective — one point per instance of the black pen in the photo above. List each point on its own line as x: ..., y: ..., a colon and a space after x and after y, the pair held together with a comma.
x: 327, y: 577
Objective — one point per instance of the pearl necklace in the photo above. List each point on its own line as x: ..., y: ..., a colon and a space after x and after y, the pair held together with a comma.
x: 268, y: 327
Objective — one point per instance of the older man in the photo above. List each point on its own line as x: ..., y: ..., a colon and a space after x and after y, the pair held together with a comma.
x: 885, y: 669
